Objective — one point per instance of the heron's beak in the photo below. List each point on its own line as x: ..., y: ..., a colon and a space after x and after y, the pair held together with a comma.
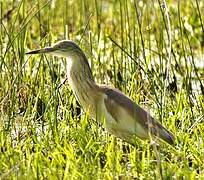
x: 40, y: 51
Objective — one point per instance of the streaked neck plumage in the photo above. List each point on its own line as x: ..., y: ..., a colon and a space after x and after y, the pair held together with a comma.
x: 82, y: 82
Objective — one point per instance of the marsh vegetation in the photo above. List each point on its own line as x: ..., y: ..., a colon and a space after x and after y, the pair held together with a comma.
x: 152, y: 51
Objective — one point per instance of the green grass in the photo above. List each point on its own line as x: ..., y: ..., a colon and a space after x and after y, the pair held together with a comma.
x: 153, y: 55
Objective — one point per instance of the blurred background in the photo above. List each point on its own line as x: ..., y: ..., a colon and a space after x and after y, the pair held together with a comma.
x: 153, y: 51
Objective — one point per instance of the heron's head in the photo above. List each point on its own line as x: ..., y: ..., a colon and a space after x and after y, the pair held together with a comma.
x: 63, y: 48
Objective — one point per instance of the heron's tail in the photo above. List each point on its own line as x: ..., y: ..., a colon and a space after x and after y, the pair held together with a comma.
x: 164, y: 134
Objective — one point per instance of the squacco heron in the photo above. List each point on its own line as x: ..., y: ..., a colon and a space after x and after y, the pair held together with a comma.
x: 119, y: 114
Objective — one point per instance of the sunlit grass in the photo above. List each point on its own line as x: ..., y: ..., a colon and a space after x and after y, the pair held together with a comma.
x: 43, y: 132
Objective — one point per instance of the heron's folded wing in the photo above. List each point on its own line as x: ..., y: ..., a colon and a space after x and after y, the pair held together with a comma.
x: 128, y: 114
x: 116, y: 101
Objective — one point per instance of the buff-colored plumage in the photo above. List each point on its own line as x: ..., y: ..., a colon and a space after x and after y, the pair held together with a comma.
x: 118, y: 113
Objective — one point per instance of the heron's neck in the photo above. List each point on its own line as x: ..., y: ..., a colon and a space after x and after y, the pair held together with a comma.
x: 78, y: 69
x: 81, y: 80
